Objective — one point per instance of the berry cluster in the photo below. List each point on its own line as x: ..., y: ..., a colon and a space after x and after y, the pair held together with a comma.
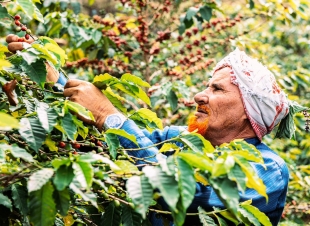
x: 21, y: 27
x: 100, y: 66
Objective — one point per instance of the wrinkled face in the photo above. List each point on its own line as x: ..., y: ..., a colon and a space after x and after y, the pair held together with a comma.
x: 220, y: 108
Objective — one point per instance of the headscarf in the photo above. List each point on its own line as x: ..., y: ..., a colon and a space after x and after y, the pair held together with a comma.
x: 264, y: 102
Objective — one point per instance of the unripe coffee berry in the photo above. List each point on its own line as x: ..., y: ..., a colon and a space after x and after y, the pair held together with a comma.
x: 18, y: 28
x: 28, y: 31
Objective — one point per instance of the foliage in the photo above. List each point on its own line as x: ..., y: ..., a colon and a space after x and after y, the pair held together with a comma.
x: 66, y: 171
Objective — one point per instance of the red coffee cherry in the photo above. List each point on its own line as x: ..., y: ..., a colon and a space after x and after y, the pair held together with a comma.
x: 62, y: 144
x: 27, y: 36
x: 76, y: 145
x: 17, y: 17
x: 24, y: 28
x: 17, y: 23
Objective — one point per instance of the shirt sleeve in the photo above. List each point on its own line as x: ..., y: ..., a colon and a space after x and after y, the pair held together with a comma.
x: 147, y: 141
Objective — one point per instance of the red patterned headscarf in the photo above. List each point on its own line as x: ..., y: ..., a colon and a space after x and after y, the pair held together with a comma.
x: 264, y: 102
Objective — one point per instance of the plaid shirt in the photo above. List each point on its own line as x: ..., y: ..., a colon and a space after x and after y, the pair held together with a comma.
x: 275, y: 177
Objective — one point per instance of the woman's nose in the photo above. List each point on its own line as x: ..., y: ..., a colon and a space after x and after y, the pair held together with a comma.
x: 201, y: 98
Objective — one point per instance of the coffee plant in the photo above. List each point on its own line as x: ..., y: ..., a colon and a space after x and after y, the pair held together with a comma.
x: 148, y: 58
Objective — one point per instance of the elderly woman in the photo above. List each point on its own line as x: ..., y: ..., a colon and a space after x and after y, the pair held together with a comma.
x: 241, y: 101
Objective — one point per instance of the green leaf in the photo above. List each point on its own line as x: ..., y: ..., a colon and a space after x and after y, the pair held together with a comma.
x: 69, y: 126
x: 32, y: 132
x: 253, y: 180
x: 123, y: 133
x: 2, y: 154
x: 166, y: 184
x: 83, y: 173
x: 205, y: 12
x: 60, y: 161
x: 125, y: 167
x: 228, y: 215
x: 136, y: 80
x: 20, y: 200
x: 44, y: 53
x: 286, y: 128
x: 62, y: 199
x: 227, y: 192
x: 248, y: 215
x: 96, y: 34
x: 115, y: 99
x: 133, y: 91
x: 263, y: 219
x: 221, y: 221
x: 252, y: 4
x: 197, y: 143
x: 28, y: 57
x: 236, y: 174
x: 186, y: 181
x: 76, y: 6
x: 36, y: 71
x: 150, y: 116
x: 204, y: 218
x: 113, y: 143
x: 7, y: 122
x: 18, y: 152
x: 223, y: 164
x: 42, y: 206
x: 112, y: 216
x: 101, y: 81
x: 130, y: 217
x: 27, y: 6
x: 191, y: 12
x: 169, y: 147
x: 5, y: 201
x: 3, y: 12
x: 5, y: 21
x: 179, y: 214
x: 47, y: 116
x: 141, y: 193
x: 87, y: 196
x: 197, y: 160
x: 39, y: 178
x: 91, y: 157
x: 173, y: 100
x: 64, y: 176
x: 79, y: 109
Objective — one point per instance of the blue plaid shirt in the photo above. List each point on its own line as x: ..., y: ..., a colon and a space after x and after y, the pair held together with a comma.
x: 275, y: 177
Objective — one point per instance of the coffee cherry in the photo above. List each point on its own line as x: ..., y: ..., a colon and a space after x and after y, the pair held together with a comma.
x: 62, y: 144
x: 17, y: 17
x: 75, y: 216
x: 100, y: 149
x: 17, y: 23
x: 18, y: 29
x: 27, y: 36
x: 116, y: 203
x: 76, y: 145
x: 28, y: 31
x: 2, y: 136
x: 24, y: 28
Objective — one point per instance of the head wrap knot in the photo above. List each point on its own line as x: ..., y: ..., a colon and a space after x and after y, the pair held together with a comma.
x: 264, y: 102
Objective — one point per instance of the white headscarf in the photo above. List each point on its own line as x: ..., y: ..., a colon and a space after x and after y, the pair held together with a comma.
x: 264, y: 102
